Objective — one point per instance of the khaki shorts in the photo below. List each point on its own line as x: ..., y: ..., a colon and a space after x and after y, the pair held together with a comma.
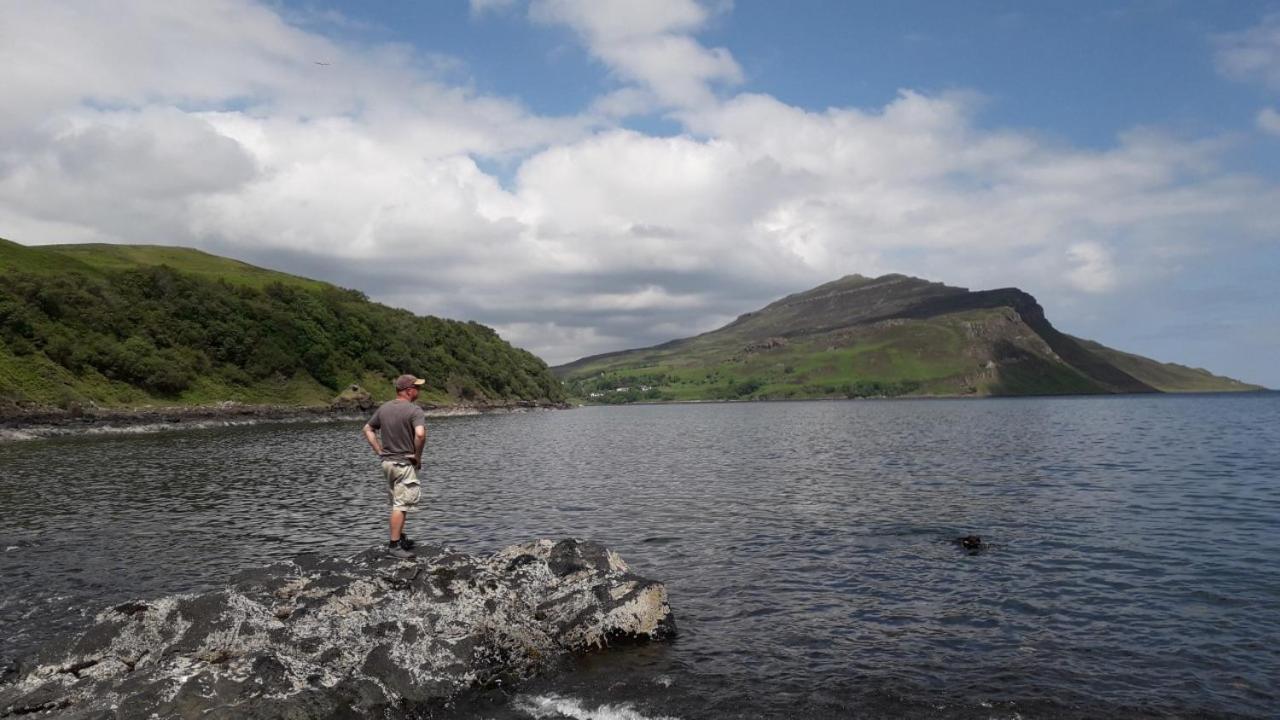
x: 402, y: 485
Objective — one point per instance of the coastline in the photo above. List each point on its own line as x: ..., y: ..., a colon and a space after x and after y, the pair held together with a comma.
x: 579, y: 402
x: 18, y: 424
x: 37, y: 423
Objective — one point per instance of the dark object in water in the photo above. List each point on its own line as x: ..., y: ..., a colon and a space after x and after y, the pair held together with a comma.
x: 972, y: 543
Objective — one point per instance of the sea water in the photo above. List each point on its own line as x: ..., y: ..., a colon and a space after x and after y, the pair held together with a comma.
x: 1130, y: 567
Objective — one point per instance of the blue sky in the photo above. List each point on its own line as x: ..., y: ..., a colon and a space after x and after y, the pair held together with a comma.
x: 1082, y: 71
x: 590, y: 176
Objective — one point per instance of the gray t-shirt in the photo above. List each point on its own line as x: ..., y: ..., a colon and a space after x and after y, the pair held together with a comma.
x: 395, y: 421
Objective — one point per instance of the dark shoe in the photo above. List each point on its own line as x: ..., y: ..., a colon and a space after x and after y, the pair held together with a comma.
x: 396, y: 550
x: 406, y: 543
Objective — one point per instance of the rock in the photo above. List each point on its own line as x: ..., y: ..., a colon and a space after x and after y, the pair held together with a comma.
x: 321, y: 636
x: 352, y: 398
x: 971, y: 543
x: 772, y: 343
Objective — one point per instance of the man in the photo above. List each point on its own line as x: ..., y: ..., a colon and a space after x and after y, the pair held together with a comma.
x: 403, y: 429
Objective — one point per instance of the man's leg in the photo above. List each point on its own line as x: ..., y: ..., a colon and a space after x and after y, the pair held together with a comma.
x: 397, y: 524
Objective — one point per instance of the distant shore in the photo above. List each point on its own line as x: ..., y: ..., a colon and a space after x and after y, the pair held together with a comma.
x: 579, y: 402
x: 37, y: 423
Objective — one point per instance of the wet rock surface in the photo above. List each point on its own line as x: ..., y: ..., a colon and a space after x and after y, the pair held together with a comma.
x: 325, y: 637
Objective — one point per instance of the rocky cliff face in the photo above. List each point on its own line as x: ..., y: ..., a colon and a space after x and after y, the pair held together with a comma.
x: 318, y: 637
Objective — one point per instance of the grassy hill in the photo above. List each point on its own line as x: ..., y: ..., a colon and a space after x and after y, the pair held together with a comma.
x: 886, y: 336
x: 1168, y: 377
x: 122, y: 326
x: 105, y: 257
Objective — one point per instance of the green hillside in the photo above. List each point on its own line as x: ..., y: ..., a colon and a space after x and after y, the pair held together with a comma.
x: 102, y: 256
x: 121, y: 326
x: 1169, y: 377
x: 876, y: 337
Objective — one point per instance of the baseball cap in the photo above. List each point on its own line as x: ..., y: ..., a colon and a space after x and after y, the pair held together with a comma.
x: 404, y: 382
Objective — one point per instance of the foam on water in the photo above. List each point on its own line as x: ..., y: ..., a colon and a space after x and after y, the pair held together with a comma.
x: 557, y: 706
x: 7, y: 434
x: 38, y: 432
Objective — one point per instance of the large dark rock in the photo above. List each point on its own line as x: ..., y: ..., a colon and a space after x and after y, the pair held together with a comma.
x: 319, y: 636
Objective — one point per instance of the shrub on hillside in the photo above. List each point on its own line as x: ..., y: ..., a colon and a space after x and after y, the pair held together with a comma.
x: 158, y: 329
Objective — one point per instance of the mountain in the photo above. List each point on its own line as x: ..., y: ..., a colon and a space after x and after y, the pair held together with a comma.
x: 128, y: 325
x: 891, y: 335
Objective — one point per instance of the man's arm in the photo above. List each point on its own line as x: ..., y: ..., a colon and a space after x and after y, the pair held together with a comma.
x: 419, y: 441
x: 372, y: 437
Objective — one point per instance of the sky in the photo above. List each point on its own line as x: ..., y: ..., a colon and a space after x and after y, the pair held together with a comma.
x: 594, y: 175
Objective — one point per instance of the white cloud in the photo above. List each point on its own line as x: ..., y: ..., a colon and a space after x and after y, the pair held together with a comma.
x: 1090, y: 267
x: 130, y: 53
x: 548, y: 340
x: 624, y: 102
x: 480, y: 7
x: 1269, y: 121
x: 648, y: 44
x: 125, y: 173
x: 213, y: 126
x: 1252, y: 54
x: 225, y: 125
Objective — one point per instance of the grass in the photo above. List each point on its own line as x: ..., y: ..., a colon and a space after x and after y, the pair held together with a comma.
x: 890, y: 335
x: 35, y: 380
x: 1168, y: 377
x: 195, y: 262
x: 974, y: 352
x: 36, y: 260
x: 926, y: 356
x: 102, y: 257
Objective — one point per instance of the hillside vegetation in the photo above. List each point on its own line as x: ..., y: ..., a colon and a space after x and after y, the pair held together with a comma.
x: 880, y: 337
x: 1167, y: 377
x: 122, y: 326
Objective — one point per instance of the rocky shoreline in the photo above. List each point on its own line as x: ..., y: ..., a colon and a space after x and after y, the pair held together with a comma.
x: 27, y: 423
x: 363, y: 636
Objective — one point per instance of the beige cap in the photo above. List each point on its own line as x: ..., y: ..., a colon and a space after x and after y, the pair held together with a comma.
x: 404, y: 382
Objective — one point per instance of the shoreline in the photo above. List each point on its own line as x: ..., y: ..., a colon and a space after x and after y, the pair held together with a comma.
x: 43, y: 423
x: 579, y: 402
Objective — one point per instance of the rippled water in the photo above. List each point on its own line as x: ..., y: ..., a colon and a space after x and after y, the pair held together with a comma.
x: 1133, y: 565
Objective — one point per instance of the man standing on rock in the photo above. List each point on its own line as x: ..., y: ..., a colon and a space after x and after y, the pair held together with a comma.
x: 403, y: 429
